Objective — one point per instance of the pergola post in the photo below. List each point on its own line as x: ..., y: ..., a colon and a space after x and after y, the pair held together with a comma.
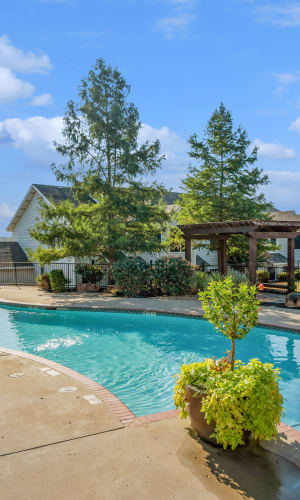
x: 252, y: 259
x: 188, y: 249
x: 291, y: 258
x: 222, y: 257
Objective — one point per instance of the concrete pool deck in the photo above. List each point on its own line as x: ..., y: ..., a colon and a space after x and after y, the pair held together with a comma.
x: 57, y: 442
x: 190, y: 306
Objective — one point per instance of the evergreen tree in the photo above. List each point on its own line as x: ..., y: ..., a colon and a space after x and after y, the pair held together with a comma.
x: 225, y: 184
x: 114, y: 210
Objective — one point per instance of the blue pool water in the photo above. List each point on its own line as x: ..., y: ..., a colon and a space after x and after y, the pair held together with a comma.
x: 136, y: 355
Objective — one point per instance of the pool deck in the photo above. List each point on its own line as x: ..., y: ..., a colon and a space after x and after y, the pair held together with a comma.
x: 31, y: 296
x: 64, y: 436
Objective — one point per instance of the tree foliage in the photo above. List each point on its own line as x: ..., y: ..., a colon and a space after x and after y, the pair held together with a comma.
x: 114, y: 209
x: 232, y: 309
x: 224, y: 185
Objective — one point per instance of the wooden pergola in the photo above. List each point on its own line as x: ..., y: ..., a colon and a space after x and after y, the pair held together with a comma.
x: 252, y: 229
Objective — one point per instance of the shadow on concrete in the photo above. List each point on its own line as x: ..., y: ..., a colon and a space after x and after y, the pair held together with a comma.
x: 250, y: 471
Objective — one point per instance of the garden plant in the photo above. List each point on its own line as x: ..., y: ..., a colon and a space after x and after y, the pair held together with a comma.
x: 58, y: 280
x: 237, y: 398
x: 90, y: 273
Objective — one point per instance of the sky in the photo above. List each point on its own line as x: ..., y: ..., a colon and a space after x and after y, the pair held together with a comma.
x: 181, y: 58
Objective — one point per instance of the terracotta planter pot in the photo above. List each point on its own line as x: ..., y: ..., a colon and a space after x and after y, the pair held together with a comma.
x: 87, y: 287
x: 194, y: 398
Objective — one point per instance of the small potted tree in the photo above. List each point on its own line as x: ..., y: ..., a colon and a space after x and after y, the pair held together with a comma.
x: 91, y: 276
x: 226, y: 399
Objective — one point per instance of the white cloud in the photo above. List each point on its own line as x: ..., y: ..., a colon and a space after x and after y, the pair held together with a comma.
x: 180, y: 20
x: 176, y: 25
x: 33, y: 135
x: 20, y: 61
x: 287, y: 78
x: 6, y: 210
x: 283, y: 189
x: 295, y: 125
x: 12, y: 88
x: 282, y: 15
x: 274, y: 151
x: 42, y: 100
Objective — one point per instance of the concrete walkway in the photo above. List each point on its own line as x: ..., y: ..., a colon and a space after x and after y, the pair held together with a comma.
x: 55, y: 444
x: 26, y: 295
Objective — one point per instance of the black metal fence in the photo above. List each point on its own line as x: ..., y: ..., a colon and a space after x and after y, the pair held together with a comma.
x: 274, y: 278
x: 25, y: 273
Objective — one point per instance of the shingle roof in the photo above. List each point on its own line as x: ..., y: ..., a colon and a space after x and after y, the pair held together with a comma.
x: 277, y: 258
x: 58, y: 193
x: 10, y: 251
x: 171, y: 197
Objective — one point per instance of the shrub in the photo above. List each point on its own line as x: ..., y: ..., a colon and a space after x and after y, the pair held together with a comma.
x: 43, y: 282
x: 89, y: 273
x: 172, y: 275
x: 247, y: 398
x: 262, y: 276
x: 297, y: 274
x: 132, y: 276
x: 57, y: 280
x: 199, y: 281
x: 282, y: 276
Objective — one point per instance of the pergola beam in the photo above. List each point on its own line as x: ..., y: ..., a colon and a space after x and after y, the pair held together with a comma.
x: 273, y: 234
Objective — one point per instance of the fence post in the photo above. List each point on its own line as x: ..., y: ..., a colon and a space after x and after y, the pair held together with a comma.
x: 15, y: 273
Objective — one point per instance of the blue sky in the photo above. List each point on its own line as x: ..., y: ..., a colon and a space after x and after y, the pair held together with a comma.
x: 181, y: 57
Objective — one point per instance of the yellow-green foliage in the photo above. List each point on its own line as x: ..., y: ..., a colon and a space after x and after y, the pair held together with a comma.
x: 232, y: 309
x: 247, y: 398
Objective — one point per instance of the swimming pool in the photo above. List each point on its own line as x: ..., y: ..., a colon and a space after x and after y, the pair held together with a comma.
x: 136, y: 355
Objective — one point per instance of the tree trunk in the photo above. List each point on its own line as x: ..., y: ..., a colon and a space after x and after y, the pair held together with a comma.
x: 232, y: 353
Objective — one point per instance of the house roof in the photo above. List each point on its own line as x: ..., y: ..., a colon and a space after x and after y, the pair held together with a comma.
x: 277, y: 258
x: 58, y: 194
x: 49, y: 194
x: 10, y: 251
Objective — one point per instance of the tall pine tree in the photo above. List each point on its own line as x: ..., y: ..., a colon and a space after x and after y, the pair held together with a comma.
x: 225, y: 184
x: 114, y: 210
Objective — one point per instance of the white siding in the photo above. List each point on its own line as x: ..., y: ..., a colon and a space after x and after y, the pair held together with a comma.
x: 26, y: 222
x: 283, y: 242
x: 210, y: 257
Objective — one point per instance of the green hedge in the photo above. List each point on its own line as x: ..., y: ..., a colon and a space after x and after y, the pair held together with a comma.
x: 172, y: 276
x: 262, y: 275
x: 89, y: 273
x: 57, y: 280
x: 282, y: 276
x: 132, y: 276
x: 43, y: 282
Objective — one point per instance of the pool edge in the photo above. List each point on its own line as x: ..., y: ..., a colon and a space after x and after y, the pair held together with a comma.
x: 198, y: 315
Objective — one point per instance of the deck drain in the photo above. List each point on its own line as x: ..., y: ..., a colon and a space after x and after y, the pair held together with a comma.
x: 68, y: 389
x: 54, y: 373
x: 17, y: 375
x: 93, y: 400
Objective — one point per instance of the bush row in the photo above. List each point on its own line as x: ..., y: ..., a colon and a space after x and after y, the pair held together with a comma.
x: 167, y: 276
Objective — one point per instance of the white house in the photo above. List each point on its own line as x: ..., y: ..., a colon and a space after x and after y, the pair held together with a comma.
x: 13, y: 249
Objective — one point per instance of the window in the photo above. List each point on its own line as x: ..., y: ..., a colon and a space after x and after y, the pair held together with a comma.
x: 273, y: 240
x: 297, y: 243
